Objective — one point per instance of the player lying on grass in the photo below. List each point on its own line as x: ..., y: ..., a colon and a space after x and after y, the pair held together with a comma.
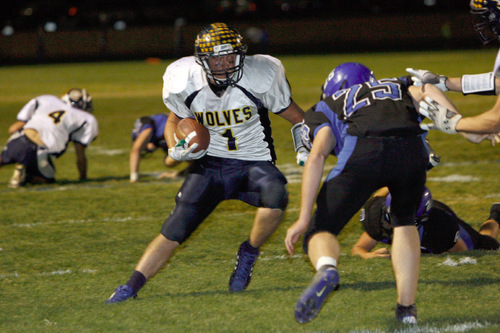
x: 439, y: 228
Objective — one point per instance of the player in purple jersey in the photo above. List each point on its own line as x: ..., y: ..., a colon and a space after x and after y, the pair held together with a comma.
x: 486, y: 17
x: 372, y: 126
x: 44, y: 127
x: 231, y: 94
x: 147, y: 137
x: 439, y: 228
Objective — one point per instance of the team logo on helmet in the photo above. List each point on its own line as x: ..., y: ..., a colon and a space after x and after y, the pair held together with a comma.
x: 219, y: 39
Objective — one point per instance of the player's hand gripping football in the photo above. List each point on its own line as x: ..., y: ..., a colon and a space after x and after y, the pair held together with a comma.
x: 183, y: 152
x: 443, y: 119
x: 422, y: 76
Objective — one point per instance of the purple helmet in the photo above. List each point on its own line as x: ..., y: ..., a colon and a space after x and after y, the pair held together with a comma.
x: 486, y: 19
x: 423, y: 207
x: 345, y: 76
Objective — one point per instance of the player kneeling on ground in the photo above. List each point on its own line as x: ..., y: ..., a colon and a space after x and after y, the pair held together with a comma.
x: 44, y: 127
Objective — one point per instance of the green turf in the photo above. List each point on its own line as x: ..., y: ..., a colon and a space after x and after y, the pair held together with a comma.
x: 65, y: 247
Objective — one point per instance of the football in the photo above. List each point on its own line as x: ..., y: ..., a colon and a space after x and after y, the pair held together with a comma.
x: 188, y: 125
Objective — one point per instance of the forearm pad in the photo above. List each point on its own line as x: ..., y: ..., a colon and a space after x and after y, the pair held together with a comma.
x: 479, y: 84
x: 297, y: 139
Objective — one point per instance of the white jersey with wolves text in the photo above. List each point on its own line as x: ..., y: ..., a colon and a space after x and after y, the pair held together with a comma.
x: 57, y: 123
x: 238, y: 120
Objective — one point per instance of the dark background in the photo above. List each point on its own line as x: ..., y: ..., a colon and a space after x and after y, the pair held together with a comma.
x: 50, y: 31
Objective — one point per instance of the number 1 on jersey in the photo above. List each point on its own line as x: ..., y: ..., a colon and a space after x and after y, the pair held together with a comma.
x: 231, y: 140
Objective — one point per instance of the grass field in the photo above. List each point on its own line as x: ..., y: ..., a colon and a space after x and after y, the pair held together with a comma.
x: 65, y: 247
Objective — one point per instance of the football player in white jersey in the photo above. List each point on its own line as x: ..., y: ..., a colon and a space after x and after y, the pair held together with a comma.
x: 231, y: 94
x: 486, y: 17
x: 44, y: 127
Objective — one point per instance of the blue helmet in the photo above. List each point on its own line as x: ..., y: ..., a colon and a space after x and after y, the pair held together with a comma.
x: 423, y: 207
x: 345, y: 76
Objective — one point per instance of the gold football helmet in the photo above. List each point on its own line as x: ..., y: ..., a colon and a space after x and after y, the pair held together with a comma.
x: 216, y: 40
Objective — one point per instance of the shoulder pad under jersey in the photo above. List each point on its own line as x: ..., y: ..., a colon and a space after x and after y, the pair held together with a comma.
x: 180, y: 73
x: 260, y: 71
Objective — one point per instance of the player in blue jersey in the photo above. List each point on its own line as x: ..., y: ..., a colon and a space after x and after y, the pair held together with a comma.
x: 230, y: 93
x: 147, y: 137
x: 486, y: 18
x: 372, y: 126
x: 439, y: 228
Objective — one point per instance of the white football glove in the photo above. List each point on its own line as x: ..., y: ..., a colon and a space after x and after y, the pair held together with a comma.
x: 302, y: 155
x: 422, y: 76
x: 183, y: 152
x: 443, y: 119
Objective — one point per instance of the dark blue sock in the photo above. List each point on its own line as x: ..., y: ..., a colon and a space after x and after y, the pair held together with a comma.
x: 137, y: 281
x: 249, y: 248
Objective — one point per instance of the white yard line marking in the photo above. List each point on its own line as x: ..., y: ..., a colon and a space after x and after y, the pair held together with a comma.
x: 452, y: 328
x: 45, y: 223
x: 58, y: 272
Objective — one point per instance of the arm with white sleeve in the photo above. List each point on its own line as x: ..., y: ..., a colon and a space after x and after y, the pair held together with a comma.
x: 481, y: 84
x: 23, y: 116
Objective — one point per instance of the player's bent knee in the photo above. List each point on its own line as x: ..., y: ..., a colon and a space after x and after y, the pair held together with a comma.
x: 274, y: 196
x: 180, y: 224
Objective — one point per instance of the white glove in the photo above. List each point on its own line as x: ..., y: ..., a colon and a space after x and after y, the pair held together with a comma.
x: 302, y: 155
x: 422, y: 76
x: 443, y: 119
x: 183, y: 152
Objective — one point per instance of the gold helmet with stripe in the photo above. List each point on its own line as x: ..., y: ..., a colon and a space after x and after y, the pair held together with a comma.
x: 217, y: 40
